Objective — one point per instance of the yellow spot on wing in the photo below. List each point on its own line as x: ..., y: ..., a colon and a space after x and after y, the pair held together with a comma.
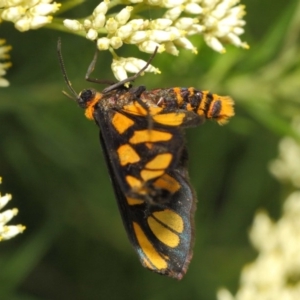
x: 127, y: 155
x: 134, y: 201
x: 121, y: 122
x: 171, y: 219
x: 135, y: 108
x: 171, y: 119
x: 148, y: 175
x: 153, y: 110
x: 149, y: 145
x: 134, y: 182
x: 148, y: 135
x: 168, y: 183
x: 160, y: 161
x: 150, y: 252
x: 164, y: 234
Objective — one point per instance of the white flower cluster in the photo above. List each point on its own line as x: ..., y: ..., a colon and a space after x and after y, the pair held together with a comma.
x: 8, y: 231
x: 276, y: 272
x: 287, y: 167
x: 4, y: 65
x: 218, y: 21
x: 27, y: 14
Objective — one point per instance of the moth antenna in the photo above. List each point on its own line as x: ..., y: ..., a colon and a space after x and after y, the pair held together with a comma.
x: 64, y: 72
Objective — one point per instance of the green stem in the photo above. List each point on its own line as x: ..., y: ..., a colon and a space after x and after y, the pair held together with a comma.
x: 113, y: 53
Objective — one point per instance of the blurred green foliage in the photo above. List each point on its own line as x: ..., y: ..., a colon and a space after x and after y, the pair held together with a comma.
x: 75, y: 246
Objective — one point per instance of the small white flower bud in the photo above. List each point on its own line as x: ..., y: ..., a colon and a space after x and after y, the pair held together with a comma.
x: 116, y: 42
x: 172, y: 3
x: 137, y: 37
x: 214, y: 43
x: 39, y: 21
x: 160, y: 36
x: 160, y: 24
x: 134, y: 65
x: 73, y: 25
x: 171, y: 48
x: 103, y: 43
x: 23, y: 24
x: 118, y: 70
x: 111, y: 25
x: 87, y: 23
x: 150, y: 46
x: 92, y: 34
x: 44, y: 9
x: 195, y: 29
x: 185, y: 23
x: 99, y: 21
x: 186, y: 44
x: 193, y: 8
x: 174, y: 13
x: 13, y: 13
x: 123, y: 16
x: 125, y: 31
x: 138, y: 24
x: 101, y: 8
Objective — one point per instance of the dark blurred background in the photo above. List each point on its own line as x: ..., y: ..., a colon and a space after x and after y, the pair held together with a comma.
x: 75, y: 246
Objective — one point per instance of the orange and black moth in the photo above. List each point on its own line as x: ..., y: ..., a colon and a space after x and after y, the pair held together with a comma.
x: 141, y: 133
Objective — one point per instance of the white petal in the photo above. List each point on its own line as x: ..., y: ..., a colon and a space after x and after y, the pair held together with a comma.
x: 9, y: 232
x: 7, y: 215
x: 4, y: 200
